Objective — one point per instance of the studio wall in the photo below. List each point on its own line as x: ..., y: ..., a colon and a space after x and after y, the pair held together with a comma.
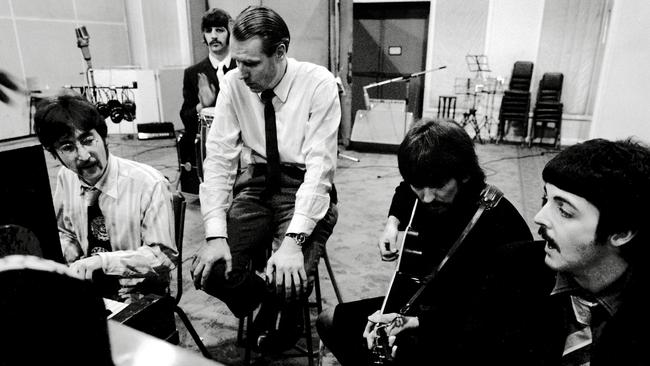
x: 39, y: 47
x: 621, y: 107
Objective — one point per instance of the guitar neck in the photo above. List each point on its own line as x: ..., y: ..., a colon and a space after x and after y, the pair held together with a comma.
x: 399, y: 259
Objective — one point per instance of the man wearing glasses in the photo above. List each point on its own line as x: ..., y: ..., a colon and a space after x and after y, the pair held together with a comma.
x: 114, y: 215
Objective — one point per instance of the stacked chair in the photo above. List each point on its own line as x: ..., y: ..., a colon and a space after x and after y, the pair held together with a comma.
x: 548, y: 107
x: 516, y: 100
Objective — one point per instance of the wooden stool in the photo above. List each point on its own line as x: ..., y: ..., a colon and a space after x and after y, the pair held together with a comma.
x: 446, y: 106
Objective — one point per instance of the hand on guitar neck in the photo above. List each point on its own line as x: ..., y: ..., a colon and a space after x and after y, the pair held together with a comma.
x: 388, y: 240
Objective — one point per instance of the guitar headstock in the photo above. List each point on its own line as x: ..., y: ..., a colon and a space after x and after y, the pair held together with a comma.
x: 490, y: 197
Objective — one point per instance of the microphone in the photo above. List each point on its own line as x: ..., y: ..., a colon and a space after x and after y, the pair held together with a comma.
x: 366, y: 97
x: 83, y: 40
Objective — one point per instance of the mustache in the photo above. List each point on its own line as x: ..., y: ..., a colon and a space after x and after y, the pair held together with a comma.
x: 213, y: 42
x: 88, y: 164
x: 542, y: 232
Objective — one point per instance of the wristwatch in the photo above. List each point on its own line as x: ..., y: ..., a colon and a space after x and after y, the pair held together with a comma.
x: 299, y: 238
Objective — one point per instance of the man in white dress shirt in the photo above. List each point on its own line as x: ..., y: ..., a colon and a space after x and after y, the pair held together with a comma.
x: 287, y: 112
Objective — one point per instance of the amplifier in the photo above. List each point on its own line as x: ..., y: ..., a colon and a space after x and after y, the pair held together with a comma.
x: 156, y: 130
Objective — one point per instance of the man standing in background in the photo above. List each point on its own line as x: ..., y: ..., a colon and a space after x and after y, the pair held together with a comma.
x: 201, y: 86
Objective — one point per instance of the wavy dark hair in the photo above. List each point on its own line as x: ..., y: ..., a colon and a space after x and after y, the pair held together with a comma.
x: 437, y: 150
x: 263, y: 22
x: 216, y: 17
x: 60, y: 116
x: 614, y: 176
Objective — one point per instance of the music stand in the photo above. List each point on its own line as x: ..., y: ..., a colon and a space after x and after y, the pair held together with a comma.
x: 477, y: 64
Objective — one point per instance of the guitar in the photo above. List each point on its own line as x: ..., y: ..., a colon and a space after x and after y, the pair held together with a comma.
x: 412, y: 275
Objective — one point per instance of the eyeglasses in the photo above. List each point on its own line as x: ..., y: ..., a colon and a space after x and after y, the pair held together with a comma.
x: 71, y: 149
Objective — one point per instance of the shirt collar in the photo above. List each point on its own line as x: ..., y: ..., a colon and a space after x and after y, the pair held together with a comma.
x: 609, y: 298
x: 282, y: 89
x: 107, y: 184
x: 216, y: 63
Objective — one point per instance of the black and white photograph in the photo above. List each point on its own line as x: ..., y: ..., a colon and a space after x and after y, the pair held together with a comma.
x: 324, y: 182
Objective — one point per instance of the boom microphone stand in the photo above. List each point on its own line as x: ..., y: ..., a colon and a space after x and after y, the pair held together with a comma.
x: 406, y: 79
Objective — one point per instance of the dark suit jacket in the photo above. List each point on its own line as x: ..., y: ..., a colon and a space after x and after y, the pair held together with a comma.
x: 189, y: 116
x: 521, y: 324
x: 191, y: 89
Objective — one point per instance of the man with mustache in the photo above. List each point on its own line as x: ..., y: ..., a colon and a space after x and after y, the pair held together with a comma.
x: 577, y: 297
x: 201, y: 87
x: 287, y: 112
x: 114, y: 215
x: 441, y: 173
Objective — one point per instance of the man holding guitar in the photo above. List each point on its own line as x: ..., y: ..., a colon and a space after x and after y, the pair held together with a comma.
x: 453, y: 219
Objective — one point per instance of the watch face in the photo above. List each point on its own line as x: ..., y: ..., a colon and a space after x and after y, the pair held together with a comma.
x: 299, y: 238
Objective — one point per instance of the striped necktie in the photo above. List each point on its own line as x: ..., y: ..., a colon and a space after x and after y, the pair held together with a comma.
x: 577, y: 348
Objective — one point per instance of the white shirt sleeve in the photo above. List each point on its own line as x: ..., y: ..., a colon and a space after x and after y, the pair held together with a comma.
x: 320, y: 148
x: 223, y: 147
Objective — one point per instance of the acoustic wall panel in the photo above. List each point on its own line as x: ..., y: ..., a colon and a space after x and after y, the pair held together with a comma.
x: 44, y: 9
x: 100, y: 10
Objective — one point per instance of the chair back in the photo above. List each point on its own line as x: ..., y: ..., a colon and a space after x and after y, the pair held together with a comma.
x: 16, y: 239
x: 179, y: 205
x: 550, y: 87
x: 522, y: 73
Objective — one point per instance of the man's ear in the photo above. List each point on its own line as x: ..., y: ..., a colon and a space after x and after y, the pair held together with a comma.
x: 281, y: 50
x: 620, y: 239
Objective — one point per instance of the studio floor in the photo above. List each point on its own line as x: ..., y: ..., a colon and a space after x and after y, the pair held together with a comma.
x: 365, y: 190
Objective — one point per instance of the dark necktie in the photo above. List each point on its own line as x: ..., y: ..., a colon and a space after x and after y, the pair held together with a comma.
x: 272, y: 154
x: 98, y: 240
x: 577, y: 348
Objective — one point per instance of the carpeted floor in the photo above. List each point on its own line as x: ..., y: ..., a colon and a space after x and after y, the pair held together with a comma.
x: 365, y: 189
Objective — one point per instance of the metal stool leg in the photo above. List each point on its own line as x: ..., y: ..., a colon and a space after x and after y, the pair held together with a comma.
x: 339, y: 298
x: 240, y: 331
x: 310, y: 346
x: 247, y: 353
x: 190, y: 329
